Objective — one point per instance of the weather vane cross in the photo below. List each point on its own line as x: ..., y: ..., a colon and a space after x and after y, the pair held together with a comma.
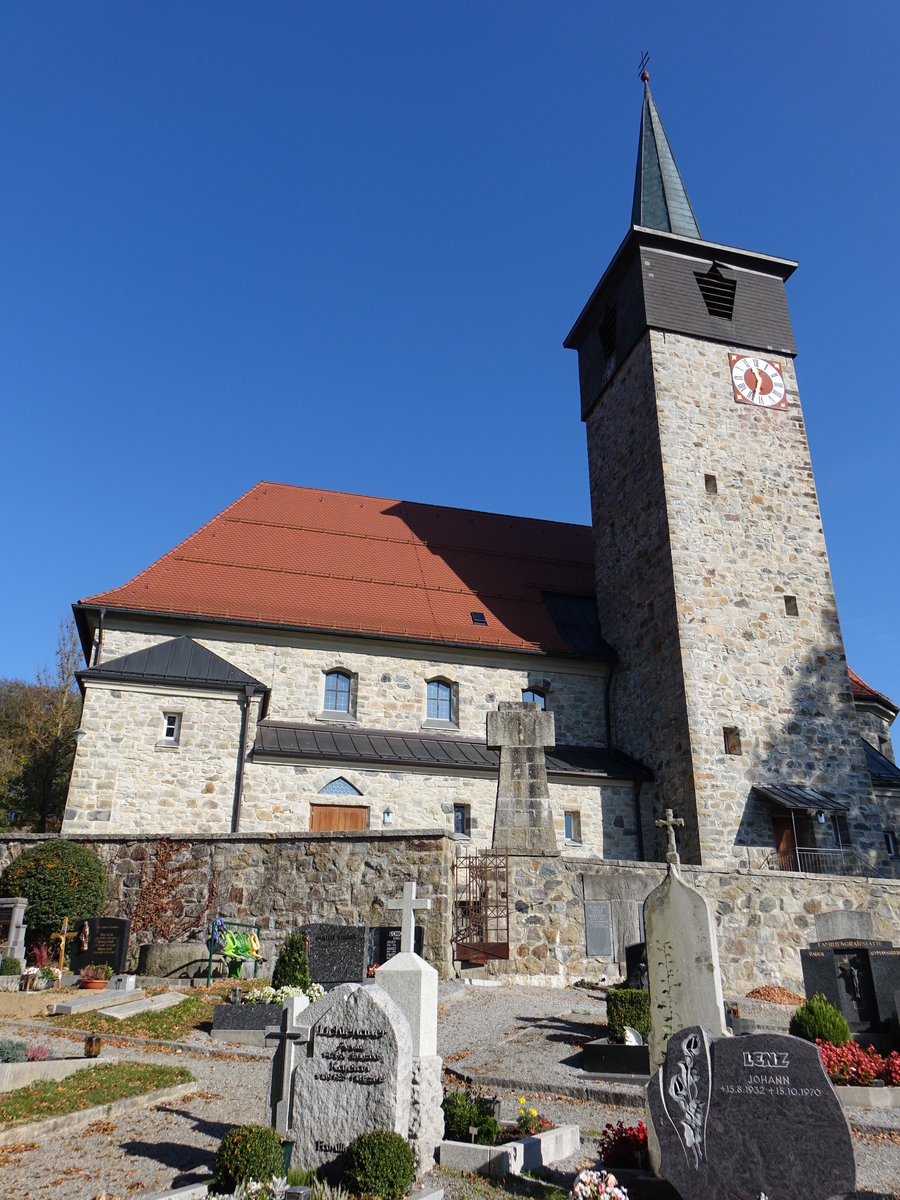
x: 643, y: 73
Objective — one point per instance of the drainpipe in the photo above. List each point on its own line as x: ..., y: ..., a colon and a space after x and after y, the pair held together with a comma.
x: 242, y: 754
x: 99, y: 646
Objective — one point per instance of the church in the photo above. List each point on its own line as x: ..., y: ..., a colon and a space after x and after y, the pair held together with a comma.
x: 325, y: 662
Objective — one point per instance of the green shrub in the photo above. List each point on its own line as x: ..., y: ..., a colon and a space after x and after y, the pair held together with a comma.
x: 819, y: 1019
x: 58, y: 879
x: 248, y: 1152
x: 627, y: 1006
x: 10, y: 966
x: 462, y: 1111
x: 12, y: 1051
x: 380, y: 1163
x: 292, y: 966
x: 302, y: 1177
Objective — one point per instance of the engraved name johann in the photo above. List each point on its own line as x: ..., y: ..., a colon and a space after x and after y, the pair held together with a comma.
x: 354, y: 1059
x: 767, y: 1075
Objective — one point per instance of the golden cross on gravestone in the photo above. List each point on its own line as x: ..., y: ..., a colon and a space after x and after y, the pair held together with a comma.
x: 62, y: 937
x: 669, y: 824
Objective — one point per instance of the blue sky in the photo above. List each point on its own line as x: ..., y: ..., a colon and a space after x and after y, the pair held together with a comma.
x: 340, y: 245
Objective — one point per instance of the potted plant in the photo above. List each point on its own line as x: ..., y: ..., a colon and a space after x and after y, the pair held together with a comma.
x: 96, y: 976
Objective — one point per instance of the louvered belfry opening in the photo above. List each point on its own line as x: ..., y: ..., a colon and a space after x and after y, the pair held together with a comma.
x: 717, y: 292
x: 607, y: 332
x: 480, y: 907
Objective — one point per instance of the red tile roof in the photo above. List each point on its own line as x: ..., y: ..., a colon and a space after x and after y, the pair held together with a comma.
x: 862, y: 691
x: 300, y: 557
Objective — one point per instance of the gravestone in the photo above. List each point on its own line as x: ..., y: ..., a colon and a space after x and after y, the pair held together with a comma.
x: 859, y: 977
x: 291, y: 1040
x: 355, y: 1074
x: 636, y: 966
x: 99, y: 941
x: 12, y: 927
x: 384, y: 943
x: 749, y: 1117
x: 597, y: 929
x: 523, y: 821
x: 844, y: 923
x: 337, y: 953
x: 682, y: 957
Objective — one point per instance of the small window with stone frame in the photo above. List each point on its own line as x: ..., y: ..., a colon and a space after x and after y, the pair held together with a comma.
x: 533, y: 696
x: 441, y: 704
x: 572, y: 825
x: 732, y: 738
x: 462, y: 820
x: 890, y: 842
x: 171, y: 728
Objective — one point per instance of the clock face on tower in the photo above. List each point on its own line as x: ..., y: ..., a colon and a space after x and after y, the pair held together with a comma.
x: 758, y: 381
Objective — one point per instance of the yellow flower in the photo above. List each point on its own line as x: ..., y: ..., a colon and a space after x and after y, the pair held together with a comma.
x: 521, y: 1099
x: 533, y: 1111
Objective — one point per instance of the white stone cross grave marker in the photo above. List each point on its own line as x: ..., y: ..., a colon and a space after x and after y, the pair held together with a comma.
x: 408, y: 905
x: 291, y: 1038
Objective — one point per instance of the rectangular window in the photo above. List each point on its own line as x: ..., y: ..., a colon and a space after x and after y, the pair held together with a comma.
x: 438, y: 705
x: 790, y: 606
x: 891, y: 842
x: 171, y: 728
x: 337, y: 692
x: 732, y: 738
x: 462, y: 821
x: 573, y: 826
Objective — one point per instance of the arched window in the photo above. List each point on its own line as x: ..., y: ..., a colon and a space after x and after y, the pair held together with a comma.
x: 337, y: 692
x: 439, y: 701
x: 339, y: 787
x: 530, y: 696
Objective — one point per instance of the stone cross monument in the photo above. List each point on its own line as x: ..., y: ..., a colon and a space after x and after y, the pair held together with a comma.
x: 408, y: 906
x: 682, y: 956
x: 523, y: 822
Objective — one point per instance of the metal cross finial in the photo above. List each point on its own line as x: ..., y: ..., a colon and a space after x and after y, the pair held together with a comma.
x: 408, y: 905
x: 642, y: 69
x: 669, y: 825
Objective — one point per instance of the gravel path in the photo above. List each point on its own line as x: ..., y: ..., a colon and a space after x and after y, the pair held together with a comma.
x: 527, y: 1034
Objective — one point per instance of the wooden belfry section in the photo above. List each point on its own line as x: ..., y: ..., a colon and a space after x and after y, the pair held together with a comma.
x: 481, y: 907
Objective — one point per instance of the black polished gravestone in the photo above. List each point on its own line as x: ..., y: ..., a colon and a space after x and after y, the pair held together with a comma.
x: 739, y: 1118
x: 384, y: 943
x: 99, y: 941
x: 859, y: 977
x: 336, y: 953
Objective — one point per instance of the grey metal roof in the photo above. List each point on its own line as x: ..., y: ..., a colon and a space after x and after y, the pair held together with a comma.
x: 180, y: 661
x: 660, y: 197
x: 277, y: 739
x: 803, y: 799
x: 880, y: 768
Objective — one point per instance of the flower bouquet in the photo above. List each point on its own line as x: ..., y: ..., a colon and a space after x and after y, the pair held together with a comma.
x: 597, y: 1185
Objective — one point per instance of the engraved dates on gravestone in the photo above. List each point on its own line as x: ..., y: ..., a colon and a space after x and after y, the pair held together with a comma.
x: 337, y: 953
x: 105, y: 940
x: 736, y: 1118
x: 384, y: 943
x: 356, y: 1074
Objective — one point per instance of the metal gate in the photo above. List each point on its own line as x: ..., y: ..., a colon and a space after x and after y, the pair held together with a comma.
x: 480, y: 907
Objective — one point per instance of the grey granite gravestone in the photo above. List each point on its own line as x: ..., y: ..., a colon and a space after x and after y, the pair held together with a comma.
x: 100, y: 941
x: 740, y: 1118
x: 597, y: 929
x: 682, y: 957
x: 12, y: 927
x: 356, y: 1074
x: 384, y: 943
x: 523, y: 821
x: 859, y: 977
x: 337, y: 953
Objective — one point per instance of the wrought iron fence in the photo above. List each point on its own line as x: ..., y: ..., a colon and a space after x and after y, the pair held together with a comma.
x: 481, y: 906
x: 816, y: 860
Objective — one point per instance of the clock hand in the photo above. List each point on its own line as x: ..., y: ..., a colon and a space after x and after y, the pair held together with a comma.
x: 758, y: 377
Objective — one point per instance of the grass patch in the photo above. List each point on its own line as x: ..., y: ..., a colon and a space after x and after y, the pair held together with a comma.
x: 91, y: 1086
x: 169, y: 1024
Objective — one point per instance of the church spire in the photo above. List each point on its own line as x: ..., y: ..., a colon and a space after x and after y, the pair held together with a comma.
x: 660, y: 197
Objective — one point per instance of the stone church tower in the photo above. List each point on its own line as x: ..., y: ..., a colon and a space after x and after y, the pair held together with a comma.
x: 712, y: 574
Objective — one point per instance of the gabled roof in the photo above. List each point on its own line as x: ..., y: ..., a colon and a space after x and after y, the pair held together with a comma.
x: 180, y: 662
x: 660, y: 197
x: 391, y: 747
x: 862, y: 693
x: 314, y: 560
x: 881, y: 770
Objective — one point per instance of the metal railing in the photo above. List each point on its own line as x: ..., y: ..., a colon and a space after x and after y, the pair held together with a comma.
x: 815, y: 860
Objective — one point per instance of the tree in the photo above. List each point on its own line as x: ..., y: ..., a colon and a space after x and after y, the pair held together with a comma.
x: 37, y: 749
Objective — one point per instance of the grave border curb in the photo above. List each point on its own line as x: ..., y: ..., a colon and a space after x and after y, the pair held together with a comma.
x: 36, y: 1130
x: 629, y: 1095
x: 45, y: 1025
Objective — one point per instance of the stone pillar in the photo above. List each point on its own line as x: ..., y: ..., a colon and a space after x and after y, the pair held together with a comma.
x: 523, y: 822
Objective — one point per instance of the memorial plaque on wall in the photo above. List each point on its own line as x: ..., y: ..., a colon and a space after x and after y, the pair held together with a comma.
x: 384, y: 943
x: 597, y: 929
x: 337, y: 953
x: 103, y: 941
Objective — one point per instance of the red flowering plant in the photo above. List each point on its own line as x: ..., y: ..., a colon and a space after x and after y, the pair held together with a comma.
x: 624, y: 1145
x: 851, y: 1064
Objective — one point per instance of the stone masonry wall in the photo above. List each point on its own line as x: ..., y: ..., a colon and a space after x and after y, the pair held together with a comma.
x: 391, y: 679
x: 283, y: 882
x: 763, y: 918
